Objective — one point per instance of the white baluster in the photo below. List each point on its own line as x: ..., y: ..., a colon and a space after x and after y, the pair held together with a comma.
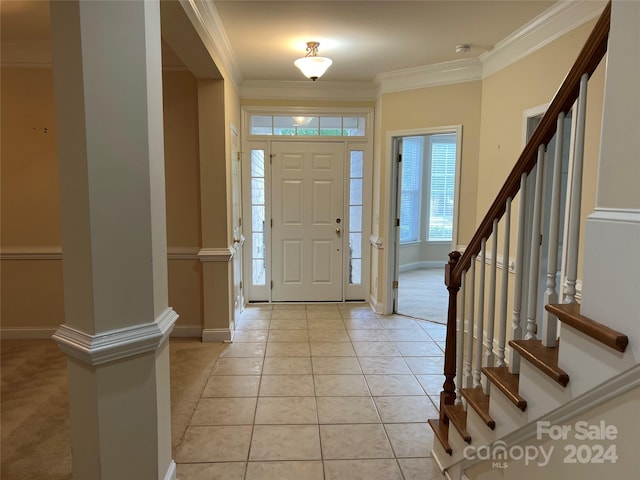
x: 460, y: 340
x: 576, y: 195
x: 502, y: 323
x: 469, y: 345
x: 516, y: 322
x: 491, y: 310
x: 534, y: 265
x: 480, y: 328
x: 549, y: 321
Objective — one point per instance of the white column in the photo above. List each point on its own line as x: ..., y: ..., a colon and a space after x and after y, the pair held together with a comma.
x: 215, y: 204
x: 610, y: 292
x: 108, y: 100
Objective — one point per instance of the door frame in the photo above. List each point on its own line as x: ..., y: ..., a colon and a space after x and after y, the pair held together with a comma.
x: 238, y: 300
x: 528, y: 115
x: 364, y: 144
x: 391, y: 262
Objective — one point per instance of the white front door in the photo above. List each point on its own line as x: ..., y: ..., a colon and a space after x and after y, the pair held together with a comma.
x: 307, y: 215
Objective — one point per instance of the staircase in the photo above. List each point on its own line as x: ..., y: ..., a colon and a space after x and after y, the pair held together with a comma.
x: 556, y: 362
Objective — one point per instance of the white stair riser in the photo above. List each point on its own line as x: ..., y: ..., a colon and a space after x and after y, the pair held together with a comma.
x: 508, y: 417
x: 480, y: 433
x: 541, y: 392
x: 589, y: 362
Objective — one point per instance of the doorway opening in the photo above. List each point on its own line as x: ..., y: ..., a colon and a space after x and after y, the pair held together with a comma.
x: 307, y: 202
x: 424, y: 216
x: 532, y: 119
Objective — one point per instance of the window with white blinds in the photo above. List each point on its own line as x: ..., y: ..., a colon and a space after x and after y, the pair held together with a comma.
x: 441, y: 187
x: 427, y: 190
x: 411, y: 191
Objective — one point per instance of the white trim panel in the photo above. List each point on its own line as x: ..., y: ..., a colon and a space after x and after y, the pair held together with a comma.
x: 216, y: 254
x: 116, y: 344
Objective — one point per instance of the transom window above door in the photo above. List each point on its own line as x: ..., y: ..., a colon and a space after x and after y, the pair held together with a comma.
x: 307, y: 125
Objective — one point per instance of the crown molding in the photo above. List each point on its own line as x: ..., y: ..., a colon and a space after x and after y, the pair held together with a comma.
x: 308, y: 90
x: 547, y: 27
x: 445, y: 73
x: 206, y: 19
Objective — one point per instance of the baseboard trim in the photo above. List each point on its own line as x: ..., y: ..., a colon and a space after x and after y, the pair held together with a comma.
x: 217, y: 335
x: 26, y: 333
x: 112, y: 345
x: 422, y: 265
x: 375, y: 305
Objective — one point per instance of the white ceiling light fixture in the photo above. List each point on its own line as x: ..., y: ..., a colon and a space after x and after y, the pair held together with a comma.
x: 311, y: 65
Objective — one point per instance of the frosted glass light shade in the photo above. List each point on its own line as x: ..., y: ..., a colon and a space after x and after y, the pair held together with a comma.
x: 313, y: 67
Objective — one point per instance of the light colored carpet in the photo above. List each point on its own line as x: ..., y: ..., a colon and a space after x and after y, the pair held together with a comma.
x: 423, y: 294
x: 34, y: 416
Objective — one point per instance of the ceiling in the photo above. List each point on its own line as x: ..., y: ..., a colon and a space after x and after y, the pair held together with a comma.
x: 363, y: 38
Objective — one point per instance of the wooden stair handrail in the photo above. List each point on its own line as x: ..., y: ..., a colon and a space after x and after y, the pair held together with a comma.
x: 588, y: 60
x: 586, y: 63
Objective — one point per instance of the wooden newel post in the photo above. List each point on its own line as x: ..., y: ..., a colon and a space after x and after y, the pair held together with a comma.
x: 448, y: 394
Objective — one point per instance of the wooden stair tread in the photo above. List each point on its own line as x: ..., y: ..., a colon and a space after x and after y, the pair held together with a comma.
x: 507, y: 383
x: 477, y: 399
x: 570, y: 314
x: 544, y: 358
x: 441, y: 431
x: 458, y: 416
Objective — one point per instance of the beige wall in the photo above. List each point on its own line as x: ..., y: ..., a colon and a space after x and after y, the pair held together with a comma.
x: 31, y: 289
x: 32, y: 296
x: 526, y: 84
x: 182, y: 177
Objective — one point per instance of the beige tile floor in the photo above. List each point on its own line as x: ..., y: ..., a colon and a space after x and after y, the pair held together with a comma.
x: 318, y: 392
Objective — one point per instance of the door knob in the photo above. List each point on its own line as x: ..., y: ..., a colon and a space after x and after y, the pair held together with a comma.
x: 338, y: 231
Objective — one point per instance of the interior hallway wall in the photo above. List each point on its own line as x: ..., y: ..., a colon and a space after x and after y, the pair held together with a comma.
x: 31, y: 287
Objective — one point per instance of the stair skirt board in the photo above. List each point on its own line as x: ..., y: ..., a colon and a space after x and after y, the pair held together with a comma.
x: 514, y: 426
